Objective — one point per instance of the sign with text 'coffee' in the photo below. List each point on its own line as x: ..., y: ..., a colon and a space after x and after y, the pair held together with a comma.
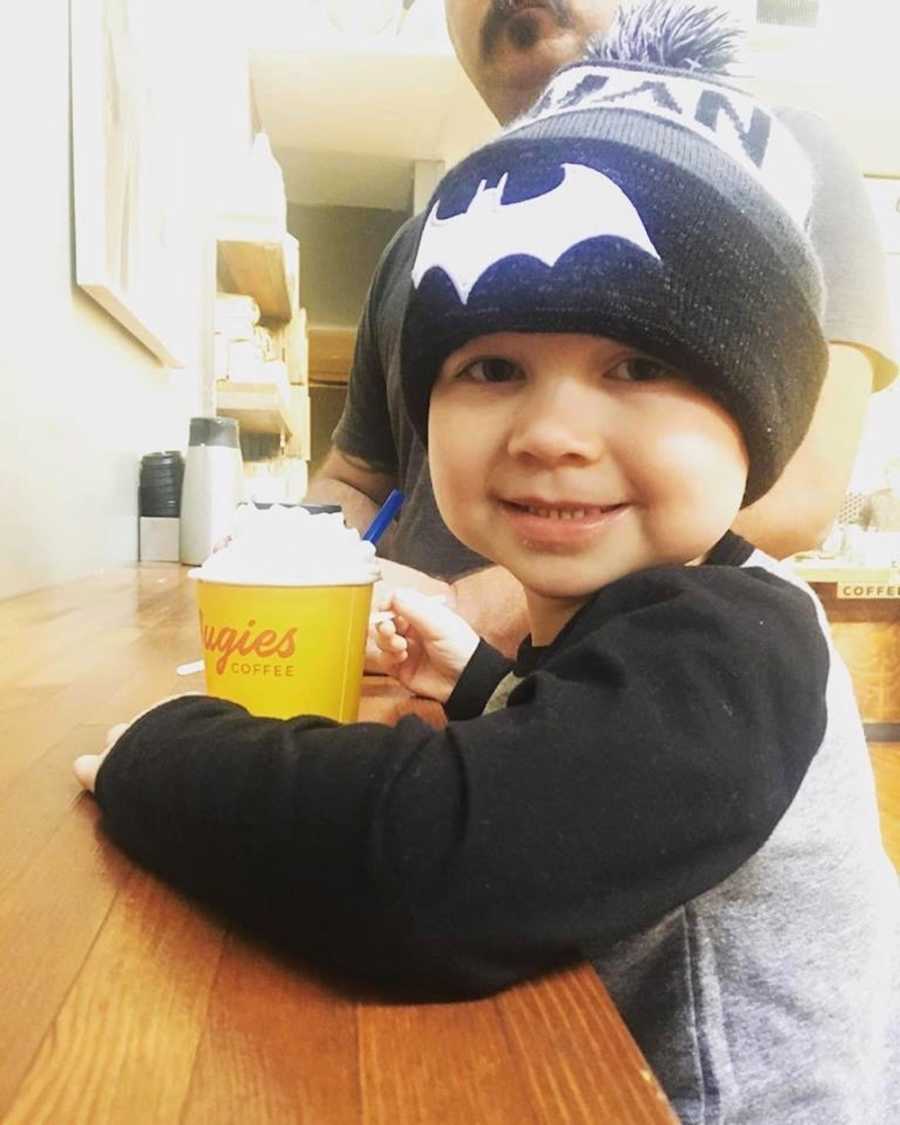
x: 862, y: 590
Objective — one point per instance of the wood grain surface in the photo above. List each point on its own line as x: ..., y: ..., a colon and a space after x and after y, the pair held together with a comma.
x: 886, y: 764
x: 124, y: 1003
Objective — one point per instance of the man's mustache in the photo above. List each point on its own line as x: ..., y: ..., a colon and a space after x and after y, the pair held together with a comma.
x: 502, y: 10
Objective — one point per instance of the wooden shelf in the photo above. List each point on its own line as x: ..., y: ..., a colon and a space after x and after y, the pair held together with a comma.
x: 261, y: 408
x: 268, y: 408
x: 330, y: 353
x: 264, y: 268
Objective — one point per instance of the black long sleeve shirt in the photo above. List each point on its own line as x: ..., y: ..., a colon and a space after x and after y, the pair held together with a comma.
x: 643, y: 757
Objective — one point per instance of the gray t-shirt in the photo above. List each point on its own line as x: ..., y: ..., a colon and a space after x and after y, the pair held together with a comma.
x: 374, y: 426
x: 772, y: 998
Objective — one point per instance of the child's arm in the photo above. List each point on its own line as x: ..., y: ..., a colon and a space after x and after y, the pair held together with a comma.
x: 413, y: 637
x: 420, y: 642
x: 644, y: 762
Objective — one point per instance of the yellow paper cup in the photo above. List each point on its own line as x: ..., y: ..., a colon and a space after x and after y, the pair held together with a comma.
x: 285, y: 650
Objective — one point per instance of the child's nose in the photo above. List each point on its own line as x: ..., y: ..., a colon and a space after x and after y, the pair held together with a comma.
x: 557, y: 425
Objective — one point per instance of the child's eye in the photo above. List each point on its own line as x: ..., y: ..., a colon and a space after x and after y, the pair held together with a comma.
x: 641, y: 369
x: 491, y: 369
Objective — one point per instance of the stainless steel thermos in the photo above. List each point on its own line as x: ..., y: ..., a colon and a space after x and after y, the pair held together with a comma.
x: 212, y: 488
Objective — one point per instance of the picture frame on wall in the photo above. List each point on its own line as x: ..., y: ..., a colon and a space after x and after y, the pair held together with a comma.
x: 128, y: 178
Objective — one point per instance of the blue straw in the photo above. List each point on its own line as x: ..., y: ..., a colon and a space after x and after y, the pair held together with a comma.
x: 384, y: 515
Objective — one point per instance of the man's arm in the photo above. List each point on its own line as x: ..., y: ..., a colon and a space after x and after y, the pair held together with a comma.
x: 493, y: 603
x: 358, y: 487
x: 361, y: 489
x: 360, y: 468
x: 796, y: 513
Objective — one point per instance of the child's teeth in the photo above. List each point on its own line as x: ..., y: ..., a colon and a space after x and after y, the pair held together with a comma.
x: 558, y: 513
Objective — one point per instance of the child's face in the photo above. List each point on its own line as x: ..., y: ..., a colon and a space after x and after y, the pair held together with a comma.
x: 573, y: 460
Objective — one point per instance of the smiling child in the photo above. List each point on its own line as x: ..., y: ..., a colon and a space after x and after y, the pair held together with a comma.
x: 612, y: 344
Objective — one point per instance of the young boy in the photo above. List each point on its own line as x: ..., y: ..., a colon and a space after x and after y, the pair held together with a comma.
x: 612, y: 344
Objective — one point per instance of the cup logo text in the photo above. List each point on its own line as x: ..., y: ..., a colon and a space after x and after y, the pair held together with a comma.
x: 227, y: 640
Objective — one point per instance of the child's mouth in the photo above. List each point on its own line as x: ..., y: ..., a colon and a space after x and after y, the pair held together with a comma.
x: 561, y: 509
x: 559, y: 513
x: 559, y: 522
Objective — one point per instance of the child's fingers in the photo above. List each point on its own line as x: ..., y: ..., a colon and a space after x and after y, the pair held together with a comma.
x: 86, y: 768
x: 385, y: 628
x: 386, y: 638
x: 382, y: 660
x: 389, y: 622
x: 374, y: 653
x: 429, y: 616
x: 381, y: 626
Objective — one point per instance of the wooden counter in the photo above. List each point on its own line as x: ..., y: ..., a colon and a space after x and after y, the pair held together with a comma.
x: 124, y: 1003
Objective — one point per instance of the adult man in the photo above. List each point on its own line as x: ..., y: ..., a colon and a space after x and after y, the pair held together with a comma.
x: 509, y: 49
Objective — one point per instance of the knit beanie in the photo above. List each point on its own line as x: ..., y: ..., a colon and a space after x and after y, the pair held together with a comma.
x: 648, y: 200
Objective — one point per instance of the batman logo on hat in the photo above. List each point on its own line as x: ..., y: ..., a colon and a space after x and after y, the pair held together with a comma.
x: 586, y: 204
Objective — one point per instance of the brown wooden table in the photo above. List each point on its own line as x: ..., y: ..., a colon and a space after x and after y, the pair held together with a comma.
x: 123, y: 1003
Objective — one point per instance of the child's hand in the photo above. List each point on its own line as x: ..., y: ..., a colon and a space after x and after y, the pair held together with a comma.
x: 88, y: 765
x: 424, y: 644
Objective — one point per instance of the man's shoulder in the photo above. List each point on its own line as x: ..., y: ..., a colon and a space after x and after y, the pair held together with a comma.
x: 802, y: 120
x: 845, y: 235
x: 808, y: 126
x: 818, y: 139
x: 397, y: 259
x: 393, y: 281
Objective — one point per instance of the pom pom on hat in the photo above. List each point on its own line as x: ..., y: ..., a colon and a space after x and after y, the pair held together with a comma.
x: 663, y: 33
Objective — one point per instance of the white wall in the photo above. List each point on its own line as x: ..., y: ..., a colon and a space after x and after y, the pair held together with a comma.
x: 80, y: 399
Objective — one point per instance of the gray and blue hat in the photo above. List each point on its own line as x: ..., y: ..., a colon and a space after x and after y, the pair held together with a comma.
x: 656, y: 205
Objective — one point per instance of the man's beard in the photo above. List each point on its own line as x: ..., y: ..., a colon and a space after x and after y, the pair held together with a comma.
x: 502, y: 11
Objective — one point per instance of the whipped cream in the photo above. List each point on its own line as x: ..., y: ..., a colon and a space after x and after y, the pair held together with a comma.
x: 282, y: 546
